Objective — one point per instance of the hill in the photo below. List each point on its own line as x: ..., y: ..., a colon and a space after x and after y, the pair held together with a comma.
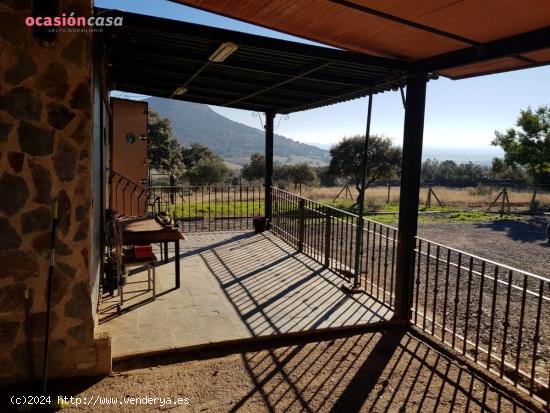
x: 233, y: 141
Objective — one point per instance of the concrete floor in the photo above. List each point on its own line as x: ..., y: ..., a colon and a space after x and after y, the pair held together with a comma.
x: 234, y: 285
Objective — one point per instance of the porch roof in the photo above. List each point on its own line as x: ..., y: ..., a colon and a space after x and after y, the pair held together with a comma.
x: 155, y: 56
x: 452, y: 38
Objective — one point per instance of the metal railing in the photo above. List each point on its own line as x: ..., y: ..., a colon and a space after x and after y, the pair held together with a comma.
x: 328, y: 235
x: 131, y: 198
x: 212, y: 208
x: 493, y: 314
x: 496, y: 315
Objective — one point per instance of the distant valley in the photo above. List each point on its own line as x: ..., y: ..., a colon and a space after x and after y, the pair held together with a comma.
x: 235, y: 142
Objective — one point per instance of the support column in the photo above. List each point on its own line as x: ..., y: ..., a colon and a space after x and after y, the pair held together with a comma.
x: 361, y: 212
x: 409, y: 194
x: 268, y: 182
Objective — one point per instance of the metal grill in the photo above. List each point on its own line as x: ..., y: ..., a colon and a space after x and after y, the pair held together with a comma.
x: 212, y: 208
x: 328, y: 235
x: 131, y: 198
x: 495, y: 315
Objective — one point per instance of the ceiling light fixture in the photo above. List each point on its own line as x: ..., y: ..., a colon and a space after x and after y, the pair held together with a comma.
x: 223, y: 52
x: 180, y: 91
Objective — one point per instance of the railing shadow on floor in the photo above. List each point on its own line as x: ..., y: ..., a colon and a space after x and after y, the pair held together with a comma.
x: 279, y: 291
x: 381, y: 370
x: 386, y: 371
x: 377, y: 371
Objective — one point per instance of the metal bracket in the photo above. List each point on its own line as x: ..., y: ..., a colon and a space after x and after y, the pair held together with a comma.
x: 285, y: 117
x: 259, y: 116
x: 403, y: 98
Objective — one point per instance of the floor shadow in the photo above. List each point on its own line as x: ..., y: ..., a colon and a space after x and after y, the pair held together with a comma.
x: 276, y: 290
x: 378, y: 371
x: 112, y: 310
x: 388, y: 371
x: 368, y: 375
x: 533, y: 230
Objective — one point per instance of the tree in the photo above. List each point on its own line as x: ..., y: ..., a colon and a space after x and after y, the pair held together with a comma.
x: 325, y: 177
x: 202, y: 166
x: 192, y: 155
x: 255, y: 170
x: 297, y: 174
x: 383, y: 160
x: 208, y: 171
x: 528, y: 145
x: 502, y: 170
x: 163, y: 150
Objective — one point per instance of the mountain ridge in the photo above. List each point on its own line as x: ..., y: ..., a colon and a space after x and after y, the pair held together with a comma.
x: 232, y: 141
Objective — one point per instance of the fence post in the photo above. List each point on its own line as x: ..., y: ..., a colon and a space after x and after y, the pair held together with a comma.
x: 275, y: 209
x: 389, y: 193
x: 328, y: 231
x: 301, y: 223
x: 268, y: 182
x: 172, y: 192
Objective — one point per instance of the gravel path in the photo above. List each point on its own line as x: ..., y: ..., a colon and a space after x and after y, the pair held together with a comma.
x: 520, y: 244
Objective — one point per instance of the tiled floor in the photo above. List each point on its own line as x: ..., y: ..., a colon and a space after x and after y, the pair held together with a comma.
x: 234, y: 285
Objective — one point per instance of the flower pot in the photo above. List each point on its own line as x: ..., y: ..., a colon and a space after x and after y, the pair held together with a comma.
x: 259, y: 224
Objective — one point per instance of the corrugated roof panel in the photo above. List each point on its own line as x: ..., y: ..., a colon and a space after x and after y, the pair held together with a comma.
x: 155, y: 56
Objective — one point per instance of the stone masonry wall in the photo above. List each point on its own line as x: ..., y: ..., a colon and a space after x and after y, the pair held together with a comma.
x: 45, y: 154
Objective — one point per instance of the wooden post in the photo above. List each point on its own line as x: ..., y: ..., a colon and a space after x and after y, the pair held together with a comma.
x: 389, y: 192
x: 409, y: 194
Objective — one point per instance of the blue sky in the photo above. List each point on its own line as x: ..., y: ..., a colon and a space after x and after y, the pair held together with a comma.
x: 460, y: 114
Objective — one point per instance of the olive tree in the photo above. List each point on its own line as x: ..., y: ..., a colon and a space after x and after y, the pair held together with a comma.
x: 383, y: 160
x: 528, y: 145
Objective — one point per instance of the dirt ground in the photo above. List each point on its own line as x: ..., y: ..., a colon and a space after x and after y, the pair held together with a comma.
x: 388, y: 371
x: 521, y: 244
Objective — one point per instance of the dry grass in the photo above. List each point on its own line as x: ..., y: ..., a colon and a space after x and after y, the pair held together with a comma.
x: 465, y: 197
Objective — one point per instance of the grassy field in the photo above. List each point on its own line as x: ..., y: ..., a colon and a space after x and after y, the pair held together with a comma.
x: 457, y: 204
x: 217, y: 209
x: 467, y: 198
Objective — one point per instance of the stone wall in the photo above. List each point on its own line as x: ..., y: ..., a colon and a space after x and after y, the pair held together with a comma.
x: 45, y: 154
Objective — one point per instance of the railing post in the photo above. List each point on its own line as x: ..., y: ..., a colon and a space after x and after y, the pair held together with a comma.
x: 409, y: 194
x: 328, y: 234
x: 268, y: 183
x: 275, y: 211
x: 301, y: 223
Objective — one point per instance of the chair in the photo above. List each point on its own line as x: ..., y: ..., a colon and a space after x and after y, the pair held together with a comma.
x: 150, y: 262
